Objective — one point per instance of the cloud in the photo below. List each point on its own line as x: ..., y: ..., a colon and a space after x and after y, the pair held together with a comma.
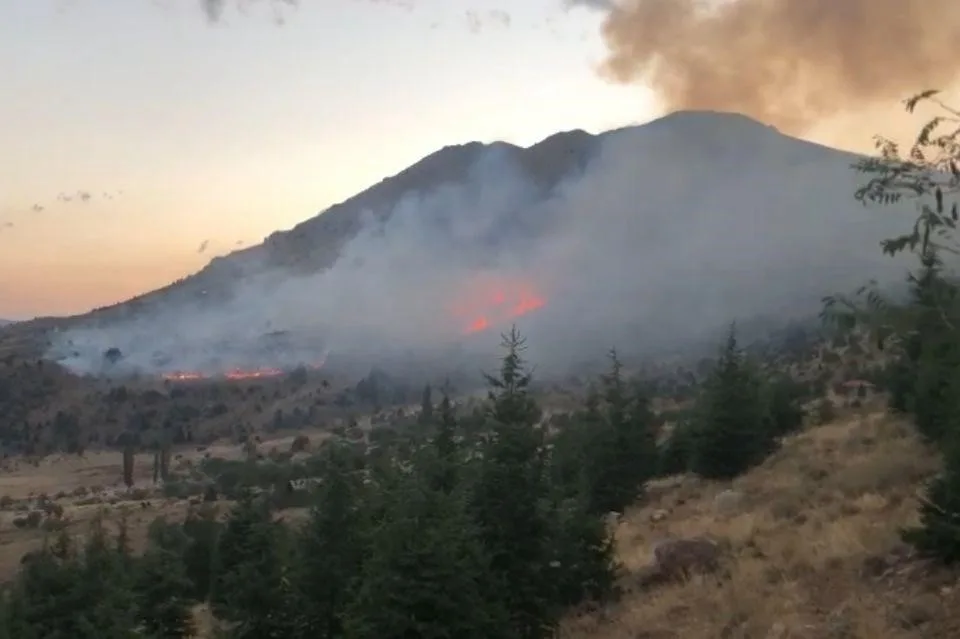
x: 653, y: 238
x: 789, y: 63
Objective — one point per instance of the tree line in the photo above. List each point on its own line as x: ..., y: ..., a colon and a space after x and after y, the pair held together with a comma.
x: 483, y: 532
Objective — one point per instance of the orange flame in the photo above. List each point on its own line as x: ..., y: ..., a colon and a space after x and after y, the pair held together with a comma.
x: 234, y: 374
x: 490, y: 301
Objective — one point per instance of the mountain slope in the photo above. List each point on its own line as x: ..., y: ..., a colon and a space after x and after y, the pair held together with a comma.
x: 648, y: 235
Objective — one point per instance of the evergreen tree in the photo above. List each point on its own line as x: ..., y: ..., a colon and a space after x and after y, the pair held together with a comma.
x: 106, y: 585
x: 938, y: 535
x: 584, y: 564
x: 427, y: 576
x: 510, y: 496
x: 249, y: 577
x: 618, y: 443
x: 162, y: 590
x: 426, y: 406
x: 202, y: 531
x: 447, y: 462
x: 782, y: 412
x: 330, y: 549
x: 730, y: 434
x: 128, y: 461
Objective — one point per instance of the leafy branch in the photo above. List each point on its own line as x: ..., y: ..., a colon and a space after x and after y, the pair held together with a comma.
x: 928, y: 174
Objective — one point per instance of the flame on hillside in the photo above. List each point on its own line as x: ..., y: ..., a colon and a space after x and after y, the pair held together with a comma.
x: 234, y: 374
x: 492, y: 301
x: 485, y: 302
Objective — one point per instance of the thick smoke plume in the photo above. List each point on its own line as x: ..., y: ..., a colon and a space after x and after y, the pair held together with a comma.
x: 789, y: 63
x: 647, y: 239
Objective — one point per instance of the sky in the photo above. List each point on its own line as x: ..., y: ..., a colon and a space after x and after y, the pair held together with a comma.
x: 140, y: 140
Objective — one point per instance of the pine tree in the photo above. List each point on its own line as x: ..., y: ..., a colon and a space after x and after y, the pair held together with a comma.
x: 202, y: 530
x: 330, y: 549
x: 933, y: 356
x: 426, y: 406
x: 162, y: 590
x: 447, y: 462
x: 249, y: 574
x: 510, y: 495
x: 729, y: 435
x: 128, y: 465
x: 584, y: 559
x: 618, y: 443
x: 427, y: 576
x: 938, y: 534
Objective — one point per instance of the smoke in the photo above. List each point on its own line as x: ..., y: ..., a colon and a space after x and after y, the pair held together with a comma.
x: 214, y: 9
x: 647, y: 239
x: 789, y: 63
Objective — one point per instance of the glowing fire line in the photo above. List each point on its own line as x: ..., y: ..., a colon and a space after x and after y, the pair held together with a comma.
x: 489, y: 302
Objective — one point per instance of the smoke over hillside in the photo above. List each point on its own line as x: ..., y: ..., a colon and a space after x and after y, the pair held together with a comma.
x: 789, y: 63
x: 644, y: 238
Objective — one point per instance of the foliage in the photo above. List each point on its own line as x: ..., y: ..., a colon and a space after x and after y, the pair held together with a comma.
x: 731, y: 432
x: 924, y: 328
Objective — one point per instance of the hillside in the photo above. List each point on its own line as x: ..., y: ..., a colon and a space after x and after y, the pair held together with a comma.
x: 671, y: 229
x: 814, y: 546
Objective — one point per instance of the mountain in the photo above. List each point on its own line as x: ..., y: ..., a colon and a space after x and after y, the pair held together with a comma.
x: 651, y: 234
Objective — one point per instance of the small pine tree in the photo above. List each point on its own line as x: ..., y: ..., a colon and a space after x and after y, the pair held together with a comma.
x: 938, y: 535
x: 427, y: 575
x: 162, y: 589
x: 165, y: 450
x: 128, y: 460
x: 330, y: 549
x: 509, y: 497
x: 730, y: 434
x: 584, y: 564
x: 426, y: 406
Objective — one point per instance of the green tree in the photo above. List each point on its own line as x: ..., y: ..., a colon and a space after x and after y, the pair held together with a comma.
x: 584, y: 559
x: 510, y: 496
x: 202, y: 531
x: 330, y: 548
x: 447, y: 464
x: 729, y: 433
x: 163, y: 593
x: 622, y: 450
x: 128, y: 465
x: 427, y: 575
x: 782, y: 411
x: 249, y: 588
x: 924, y: 331
x: 426, y: 406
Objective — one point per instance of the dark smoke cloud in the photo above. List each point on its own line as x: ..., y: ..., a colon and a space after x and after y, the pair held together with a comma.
x: 790, y: 63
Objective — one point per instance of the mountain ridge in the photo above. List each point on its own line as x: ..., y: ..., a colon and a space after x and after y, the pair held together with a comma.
x: 314, y: 244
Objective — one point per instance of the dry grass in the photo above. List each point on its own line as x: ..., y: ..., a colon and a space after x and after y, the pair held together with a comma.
x: 67, y: 480
x: 814, y: 548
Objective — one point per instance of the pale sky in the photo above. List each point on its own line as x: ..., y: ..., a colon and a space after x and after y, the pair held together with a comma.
x: 182, y: 132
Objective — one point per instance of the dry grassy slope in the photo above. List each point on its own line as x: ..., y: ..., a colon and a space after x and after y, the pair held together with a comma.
x: 814, y: 547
